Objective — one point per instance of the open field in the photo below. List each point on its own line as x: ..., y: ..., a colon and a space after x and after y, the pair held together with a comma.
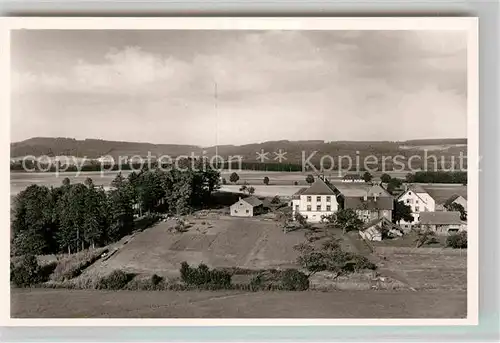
x: 281, y: 183
x: 266, y: 191
x: 409, y: 241
x: 218, y: 242
x: 49, y: 303
x: 427, y: 268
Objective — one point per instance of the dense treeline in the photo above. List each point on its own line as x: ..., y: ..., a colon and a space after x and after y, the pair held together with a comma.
x: 346, y: 166
x: 29, y: 165
x: 438, y: 177
x: 73, y: 217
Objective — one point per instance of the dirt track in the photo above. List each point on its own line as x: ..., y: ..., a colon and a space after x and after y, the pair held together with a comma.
x: 48, y: 303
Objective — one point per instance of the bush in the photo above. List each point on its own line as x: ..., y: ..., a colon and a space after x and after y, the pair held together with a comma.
x: 282, y: 280
x: 114, y: 281
x: 153, y: 283
x: 73, y: 265
x: 357, y: 263
x: 294, y: 280
x: 156, y: 280
x: 202, y: 275
x: 47, y: 269
x: 27, y: 273
x: 256, y: 282
x: 330, y: 257
x: 180, y: 226
x: 276, y: 200
x: 457, y: 240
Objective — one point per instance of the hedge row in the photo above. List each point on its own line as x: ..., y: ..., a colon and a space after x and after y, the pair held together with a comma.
x: 29, y: 273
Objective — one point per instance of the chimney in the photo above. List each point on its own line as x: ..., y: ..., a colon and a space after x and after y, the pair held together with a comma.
x: 365, y: 197
x: 375, y: 197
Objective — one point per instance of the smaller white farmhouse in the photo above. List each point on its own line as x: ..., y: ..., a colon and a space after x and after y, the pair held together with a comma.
x: 247, y: 207
x: 315, y: 202
x: 419, y: 200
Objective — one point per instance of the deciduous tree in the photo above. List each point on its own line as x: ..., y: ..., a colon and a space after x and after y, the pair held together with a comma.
x: 348, y: 220
x: 367, y: 177
x: 234, y: 177
x: 385, y: 178
x: 458, y: 208
x: 401, y: 212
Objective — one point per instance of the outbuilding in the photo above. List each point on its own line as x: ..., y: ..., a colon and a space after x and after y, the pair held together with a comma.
x: 247, y: 207
x: 442, y: 223
x: 375, y: 230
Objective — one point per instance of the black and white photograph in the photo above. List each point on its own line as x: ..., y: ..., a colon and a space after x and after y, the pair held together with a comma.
x: 239, y: 169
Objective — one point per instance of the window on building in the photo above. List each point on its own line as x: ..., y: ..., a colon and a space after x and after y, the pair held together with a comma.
x: 296, y: 207
x: 416, y: 201
x: 328, y: 198
x: 328, y: 208
x: 407, y: 201
x: 318, y: 207
x: 248, y: 211
x: 318, y: 199
x: 309, y: 207
x: 417, y: 209
x: 235, y: 211
x: 309, y: 198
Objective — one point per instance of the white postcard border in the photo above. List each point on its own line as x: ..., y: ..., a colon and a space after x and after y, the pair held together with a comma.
x: 469, y: 24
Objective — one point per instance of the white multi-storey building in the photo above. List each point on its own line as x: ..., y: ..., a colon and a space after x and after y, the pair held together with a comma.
x: 315, y: 202
x: 419, y: 200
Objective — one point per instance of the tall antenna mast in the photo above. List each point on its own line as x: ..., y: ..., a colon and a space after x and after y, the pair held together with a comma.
x: 216, y: 120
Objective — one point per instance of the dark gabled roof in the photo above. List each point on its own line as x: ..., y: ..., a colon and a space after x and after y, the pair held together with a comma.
x: 379, y: 191
x: 319, y: 187
x: 253, y: 201
x: 440, y: 218
x: 442, y: 194
x: 352, y: 177
x: 451, y: 199
x: 359, y: 190
x: 359, y: 203
x: 297, y: 194
x: 266, y: 203
x: 416, y: 188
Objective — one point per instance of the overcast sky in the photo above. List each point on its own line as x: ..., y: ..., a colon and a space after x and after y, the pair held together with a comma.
x: 157, y: 86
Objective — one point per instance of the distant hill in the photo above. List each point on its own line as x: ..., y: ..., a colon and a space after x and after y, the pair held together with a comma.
x: 94, y: 148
